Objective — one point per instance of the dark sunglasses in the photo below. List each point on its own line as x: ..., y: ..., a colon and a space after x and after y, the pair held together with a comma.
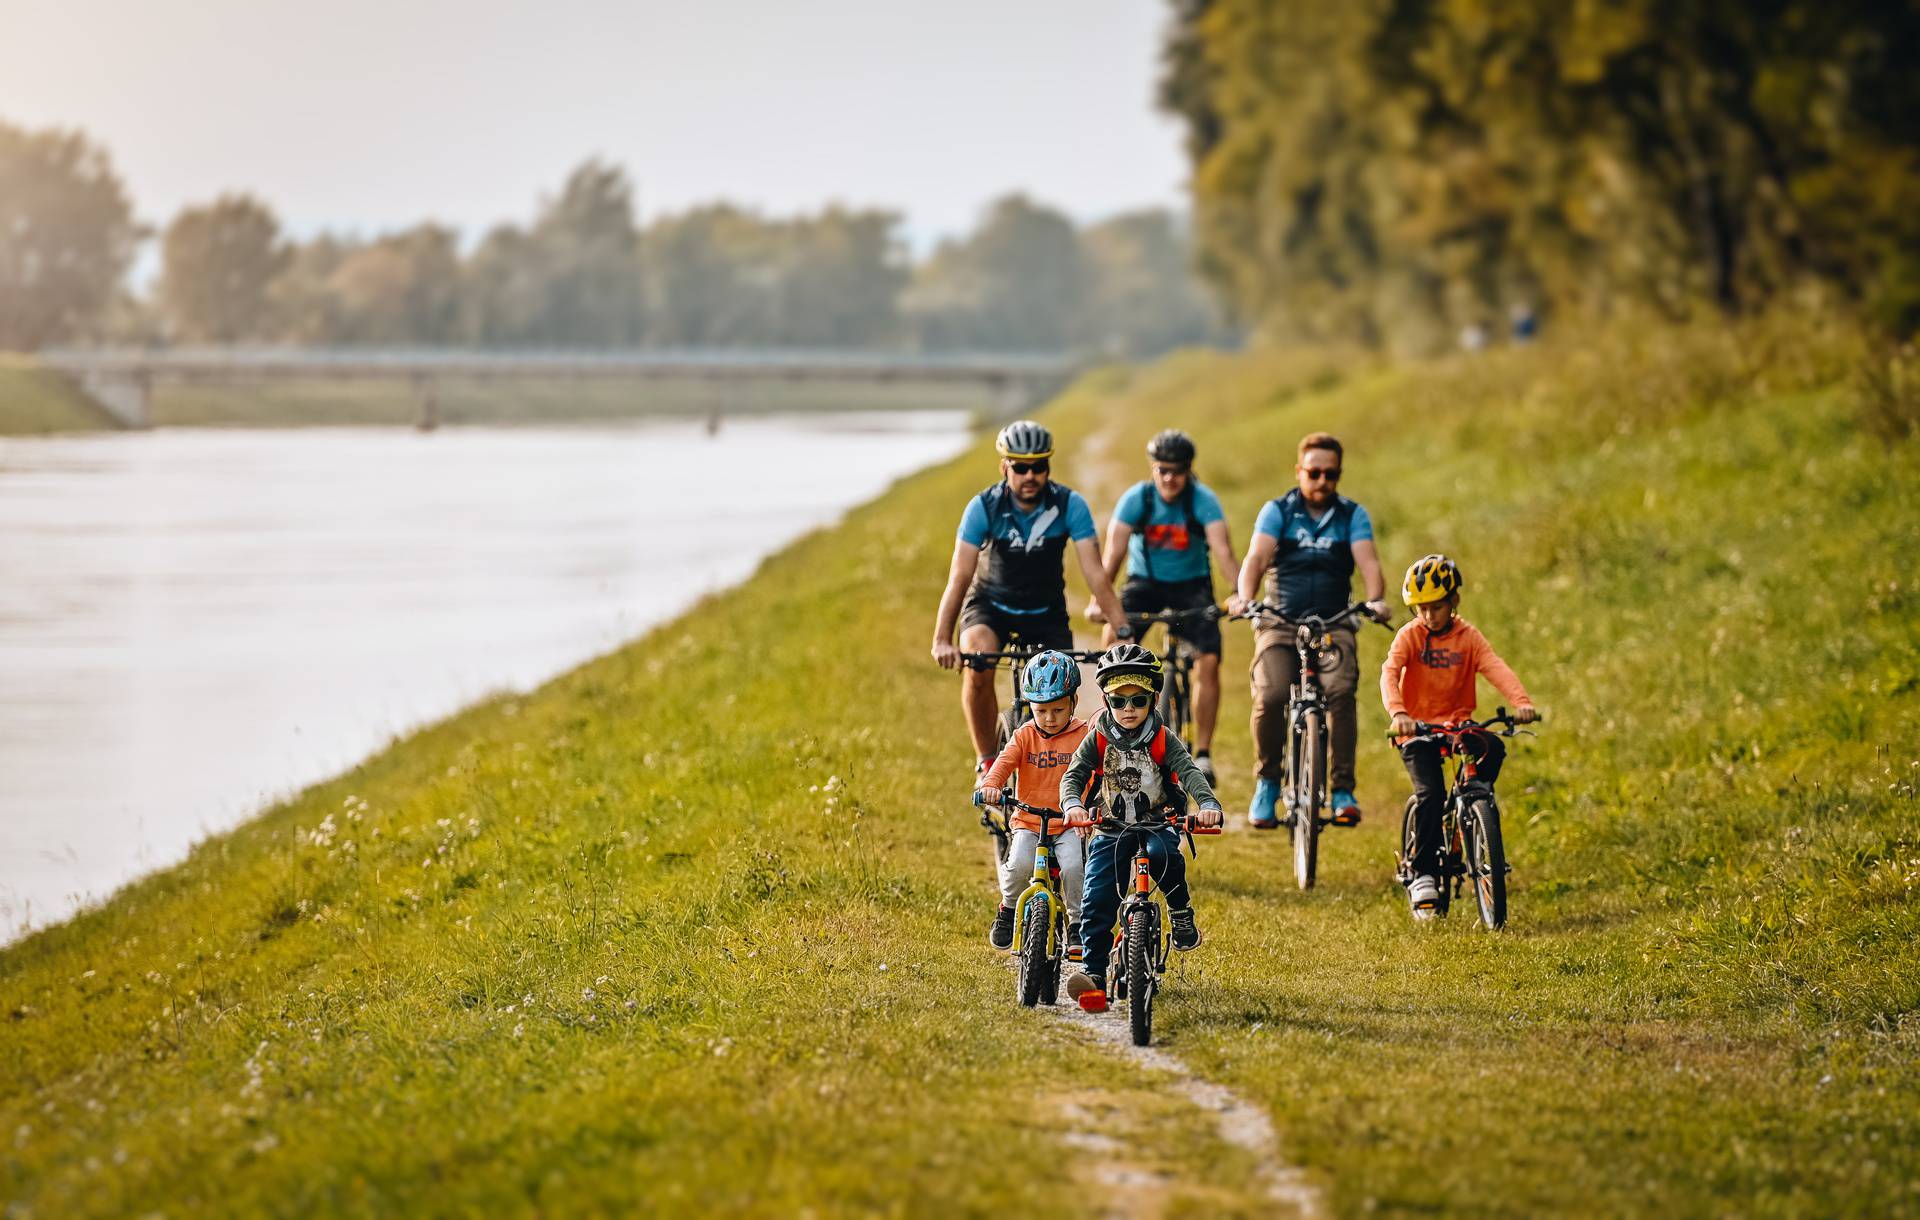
x: 1330, y: 473
x: 1129, y: 701
x: 1040, y: 467
x: 1172, y: 472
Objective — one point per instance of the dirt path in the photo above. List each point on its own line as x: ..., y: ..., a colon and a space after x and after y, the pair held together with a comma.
x: 1097, y: 1123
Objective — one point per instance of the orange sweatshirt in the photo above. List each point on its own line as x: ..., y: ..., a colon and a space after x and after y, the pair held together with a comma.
x: 1039, y: 761
x: 1431, y: 677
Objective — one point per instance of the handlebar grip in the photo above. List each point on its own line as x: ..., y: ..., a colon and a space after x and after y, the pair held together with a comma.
x: 977, y: 795
x: 1205, y: 830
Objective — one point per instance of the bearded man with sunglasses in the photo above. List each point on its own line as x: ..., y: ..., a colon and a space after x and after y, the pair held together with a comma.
x: 1023, y: 526
x: 1306, y: 545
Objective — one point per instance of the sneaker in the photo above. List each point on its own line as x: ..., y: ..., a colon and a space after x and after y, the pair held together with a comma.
x: 1260, y: 814
x: 1346, y: 810
x: 1185, y: 935
x: 1002, y: 935
x: 1423, y: 895
x: 1204, y: 761
x: 1086, y: 993
x: 1074, y: 951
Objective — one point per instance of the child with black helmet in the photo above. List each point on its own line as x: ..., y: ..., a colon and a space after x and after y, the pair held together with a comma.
x: 1037, y: 754
x: 1139, y: 763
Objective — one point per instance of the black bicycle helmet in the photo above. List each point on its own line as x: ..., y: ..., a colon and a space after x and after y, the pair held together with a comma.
x: 1024, y: 439
x: 1127, y: 665
x: 1172, y: 446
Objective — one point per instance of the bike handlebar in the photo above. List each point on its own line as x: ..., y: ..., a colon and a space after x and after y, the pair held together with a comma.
x: 1427, y: 731
x: 1085, y: 656
x: 1205, y: 614
x: 1183, y: 822
x: 1257, y: 609
x: 1044, y: 814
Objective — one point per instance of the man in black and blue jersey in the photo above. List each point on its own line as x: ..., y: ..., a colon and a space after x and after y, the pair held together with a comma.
x: 1306, y: 547
x: 1165, y: 528
x: 1022, y: 527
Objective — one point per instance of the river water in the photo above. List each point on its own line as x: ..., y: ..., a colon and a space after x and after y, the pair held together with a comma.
x: 194, y: 623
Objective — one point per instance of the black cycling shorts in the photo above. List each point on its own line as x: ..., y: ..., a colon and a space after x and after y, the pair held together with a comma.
x: 1046, y: 630
x: 1142, y: 596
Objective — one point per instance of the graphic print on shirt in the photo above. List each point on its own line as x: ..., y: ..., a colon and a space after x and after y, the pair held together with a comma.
x: 1168, y: 537
x: 1440, y: 658
x: 1036, y: 534
x: 1131, y: 783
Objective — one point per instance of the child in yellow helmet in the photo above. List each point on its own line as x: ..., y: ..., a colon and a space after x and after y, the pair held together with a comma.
x: 1430, y: 676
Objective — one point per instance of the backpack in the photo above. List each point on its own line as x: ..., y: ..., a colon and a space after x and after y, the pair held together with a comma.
x: 1196, y: 533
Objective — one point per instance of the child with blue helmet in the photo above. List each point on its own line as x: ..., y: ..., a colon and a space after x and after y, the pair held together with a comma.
x: 1037, y: 756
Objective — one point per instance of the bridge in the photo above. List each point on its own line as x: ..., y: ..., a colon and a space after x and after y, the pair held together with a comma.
x: 122, y: 381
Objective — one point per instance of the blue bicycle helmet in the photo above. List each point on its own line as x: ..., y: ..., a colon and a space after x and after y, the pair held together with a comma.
x: 1050, y: 675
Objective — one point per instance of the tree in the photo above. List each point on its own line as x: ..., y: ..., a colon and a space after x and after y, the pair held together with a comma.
x: 67, y: 236
x: 1016, y: 282
x: 402, y: 288
x: 586, y: 241
x: 1143, y: 296
x: 218, y: 263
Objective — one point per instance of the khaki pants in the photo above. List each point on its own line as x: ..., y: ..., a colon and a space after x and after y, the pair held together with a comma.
x: 1275, y: 666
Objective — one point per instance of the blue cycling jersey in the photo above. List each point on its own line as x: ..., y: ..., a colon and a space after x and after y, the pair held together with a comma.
x: 1312, y: 569
x: 1167, y: 531
x: 1024, y: 551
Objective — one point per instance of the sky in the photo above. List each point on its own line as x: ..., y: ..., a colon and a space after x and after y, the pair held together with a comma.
x: 360, y: 115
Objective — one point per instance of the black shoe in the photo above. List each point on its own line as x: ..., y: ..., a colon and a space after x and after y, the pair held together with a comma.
x: 1002, y: 935
x: 1185, y: 934
x: 1204, y: 761
x: 1074, y: 951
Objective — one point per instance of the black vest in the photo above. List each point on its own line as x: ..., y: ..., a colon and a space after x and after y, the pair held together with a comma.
x: 1311, y: 580
x: 1020, y: 570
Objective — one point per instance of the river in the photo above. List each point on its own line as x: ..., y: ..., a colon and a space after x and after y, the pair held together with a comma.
x: 194, y: 623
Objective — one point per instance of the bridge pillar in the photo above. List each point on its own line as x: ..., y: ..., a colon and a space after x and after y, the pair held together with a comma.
x: 126, y: 398
x: 426, y: 393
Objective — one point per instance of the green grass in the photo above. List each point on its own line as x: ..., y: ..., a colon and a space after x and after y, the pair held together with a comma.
x: 618, y: 943
x: 34, y: 400
x: 339, y: 402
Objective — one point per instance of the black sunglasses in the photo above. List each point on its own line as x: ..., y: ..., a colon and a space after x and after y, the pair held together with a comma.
x: 1040, y: 467
x: 1330, y: 473
x: 1129, y: 701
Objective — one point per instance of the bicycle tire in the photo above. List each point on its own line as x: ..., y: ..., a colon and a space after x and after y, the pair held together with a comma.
x: 1408, y: 848
x: 1487, y: 863
x: 1034, y: 958
x: 1140, y: 979
x: 1306, y: 801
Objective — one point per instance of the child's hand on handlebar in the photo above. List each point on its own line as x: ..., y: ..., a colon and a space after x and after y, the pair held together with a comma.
x: 1526, y: 715
x: 1404, y: 725
x: 989, y: 795
x: 1208, y: 819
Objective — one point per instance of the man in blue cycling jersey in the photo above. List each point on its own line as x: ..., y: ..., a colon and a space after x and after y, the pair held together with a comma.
x: 1022, y: 526
x: 1305, y: 547
x: 1164, y: 528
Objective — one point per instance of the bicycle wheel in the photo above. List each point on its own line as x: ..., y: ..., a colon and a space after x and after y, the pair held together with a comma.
x: 1140, y: 981
x: 1487, y: 863
x: 1035, y: 962
x: 1310, y: 780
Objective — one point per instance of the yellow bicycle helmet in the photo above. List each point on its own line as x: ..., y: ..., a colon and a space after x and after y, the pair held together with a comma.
x: 1432, y: 578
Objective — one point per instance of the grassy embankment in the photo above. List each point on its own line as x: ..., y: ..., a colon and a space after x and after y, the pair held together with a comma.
x: 34, y: 400
x: 606, y: 943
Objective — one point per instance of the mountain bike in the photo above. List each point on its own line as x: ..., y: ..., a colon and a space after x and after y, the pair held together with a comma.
x: 1176, y: 693
x: 1013, y: 656
x: 1309, y: 743
x: 1040, y: 921
x: 1471, y: 850
x: 1141, y: 947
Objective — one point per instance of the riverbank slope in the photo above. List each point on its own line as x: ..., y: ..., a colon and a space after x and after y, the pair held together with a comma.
x: 700, y: 925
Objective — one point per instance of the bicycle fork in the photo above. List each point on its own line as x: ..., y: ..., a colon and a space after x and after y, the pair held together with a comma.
x: 1045, y: 885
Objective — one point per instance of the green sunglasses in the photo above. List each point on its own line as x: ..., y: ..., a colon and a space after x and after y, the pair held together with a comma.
x: 1129, y: 701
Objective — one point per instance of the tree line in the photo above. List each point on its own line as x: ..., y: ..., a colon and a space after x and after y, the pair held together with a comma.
x: 583, y: 272
x: 1394, y: 170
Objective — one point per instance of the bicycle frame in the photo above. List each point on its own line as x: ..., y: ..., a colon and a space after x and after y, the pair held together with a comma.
x: 1455, y: 868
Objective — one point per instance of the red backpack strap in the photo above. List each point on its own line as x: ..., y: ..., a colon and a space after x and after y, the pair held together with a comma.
x: 1099, y: 752
x: 1158, y: 748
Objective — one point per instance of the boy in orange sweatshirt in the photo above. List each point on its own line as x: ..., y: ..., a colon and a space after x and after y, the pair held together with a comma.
x: 1429, y: 676
x: 1038, y: 754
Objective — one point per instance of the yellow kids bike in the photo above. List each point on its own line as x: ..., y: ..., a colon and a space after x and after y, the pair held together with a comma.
x: 1040, y: 923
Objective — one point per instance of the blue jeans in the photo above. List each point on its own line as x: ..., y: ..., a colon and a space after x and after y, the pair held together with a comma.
x: 1107, y: 871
